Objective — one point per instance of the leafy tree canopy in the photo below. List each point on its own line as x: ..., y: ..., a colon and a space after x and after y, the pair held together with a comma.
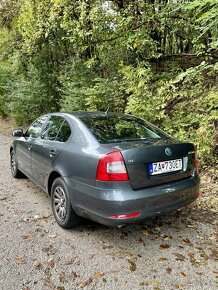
x: 157, y: 59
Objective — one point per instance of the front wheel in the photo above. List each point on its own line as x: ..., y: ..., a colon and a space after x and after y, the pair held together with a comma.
x: 61, y: 205
x: 16, y: 173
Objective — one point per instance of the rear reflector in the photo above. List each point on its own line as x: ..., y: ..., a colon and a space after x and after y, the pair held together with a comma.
x: 124, y: 216
x: 111, y: 167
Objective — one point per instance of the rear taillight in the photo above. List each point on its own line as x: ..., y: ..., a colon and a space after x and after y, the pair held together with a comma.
x: 111, y: 167
x: 195, y: 157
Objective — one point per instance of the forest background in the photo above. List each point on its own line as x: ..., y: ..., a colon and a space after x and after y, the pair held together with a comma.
x: 156, y: 59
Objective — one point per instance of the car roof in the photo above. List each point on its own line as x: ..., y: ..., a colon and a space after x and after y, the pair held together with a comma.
x: 83, y: 114
x: 88, y: 114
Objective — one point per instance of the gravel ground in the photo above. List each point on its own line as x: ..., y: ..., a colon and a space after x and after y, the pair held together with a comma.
x: 175, y: 251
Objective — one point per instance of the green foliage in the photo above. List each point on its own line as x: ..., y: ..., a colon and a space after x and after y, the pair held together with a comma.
x: 76, y: 79
x: 154, y: 59
x: 137, y: 85
x: 5, y: 68
x: 9, y: 9
x: 5, y: 72
x: 204, y: 15
x: 27, y: 97
x: 105, y: 95
x: 191, y: 107
x: 85, y: 90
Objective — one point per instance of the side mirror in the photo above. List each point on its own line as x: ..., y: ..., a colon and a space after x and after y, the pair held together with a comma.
x: 17, y: 133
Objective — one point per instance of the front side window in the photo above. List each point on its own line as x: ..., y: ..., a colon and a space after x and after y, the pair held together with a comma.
x: 35, y: 128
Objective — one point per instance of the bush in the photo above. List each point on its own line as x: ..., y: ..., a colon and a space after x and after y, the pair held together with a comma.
x: 84, y: 89
x: 5, y: 68
x: 28, y: 97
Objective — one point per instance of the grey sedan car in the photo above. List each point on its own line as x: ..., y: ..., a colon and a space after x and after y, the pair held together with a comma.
x: 108, y: 167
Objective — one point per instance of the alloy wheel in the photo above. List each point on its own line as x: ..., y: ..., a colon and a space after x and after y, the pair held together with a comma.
x: 13, y: 163
x: 60, y: 203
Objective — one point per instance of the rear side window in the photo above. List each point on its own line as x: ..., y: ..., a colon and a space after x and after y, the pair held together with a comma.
x: 112, y: 128
x: 52, y: 128
x: 64, y: 133
x: 56, y: 129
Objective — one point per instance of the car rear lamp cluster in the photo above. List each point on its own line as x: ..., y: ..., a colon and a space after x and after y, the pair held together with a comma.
x: 111, y: 167
x: 195, y: 157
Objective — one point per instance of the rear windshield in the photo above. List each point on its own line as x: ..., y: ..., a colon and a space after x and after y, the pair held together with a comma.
x: 112, y: 129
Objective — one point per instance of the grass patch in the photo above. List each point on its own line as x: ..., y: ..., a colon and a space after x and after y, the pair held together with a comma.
x: 6, y: 126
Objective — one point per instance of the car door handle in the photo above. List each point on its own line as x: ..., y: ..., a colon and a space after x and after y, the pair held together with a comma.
x: 52, y: 153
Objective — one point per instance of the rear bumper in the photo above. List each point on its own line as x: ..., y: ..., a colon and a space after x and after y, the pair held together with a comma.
x: 101, y: 202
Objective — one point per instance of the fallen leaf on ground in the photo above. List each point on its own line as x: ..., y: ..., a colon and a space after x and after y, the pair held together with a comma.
x: 192, y: 226
x: 203, y: 254
x: 191, y: 255
x: 106, y: 246
x: 144, y: 283
x: 49, y: 284
x: 178, y: 286
x: 145, y: 233
x: 162, y: 260
x: 74, y: 275
x: 50, y: 250
x: 25, y: 237
x: 37, y: 264
x: 187, y: 241
x: 155, y: 283
x: 74, y: 261
x: 52, y: 262
x: 168, y: 270
x: 122, y: 254
x: 167, y: 237
x: 3, y: 198
x: 140, y: 240
x: 99, y: 274
x: 52, y: 236
x: 199, y: 273
x: 86, y: 282
x: 132, y: 266
x: 62, y: 277
x: 20, y: 260
x: 179, y: 257
x: 164, y: 246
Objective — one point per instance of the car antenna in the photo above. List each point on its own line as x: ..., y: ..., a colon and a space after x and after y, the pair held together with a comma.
x: 106, y: 111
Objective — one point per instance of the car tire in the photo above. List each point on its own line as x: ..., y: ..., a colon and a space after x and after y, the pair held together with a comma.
x: 61, y: 205
x: 16, y: 173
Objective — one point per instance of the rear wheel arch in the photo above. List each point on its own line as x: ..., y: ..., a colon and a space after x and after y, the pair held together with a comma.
x: 61, y: 205
x: 53, y: 175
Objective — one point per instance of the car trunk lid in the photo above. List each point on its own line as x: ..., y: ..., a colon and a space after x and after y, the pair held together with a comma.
x: 139, y: 157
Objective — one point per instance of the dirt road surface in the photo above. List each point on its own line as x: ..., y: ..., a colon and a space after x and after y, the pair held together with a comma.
x: 175, y: 251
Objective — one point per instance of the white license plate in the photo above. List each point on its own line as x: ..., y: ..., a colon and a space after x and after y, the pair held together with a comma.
x: 165, y: 166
